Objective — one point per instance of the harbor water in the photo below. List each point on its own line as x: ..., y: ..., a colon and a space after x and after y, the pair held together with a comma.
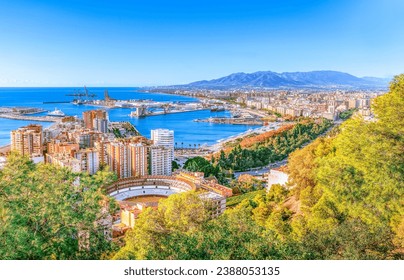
x: 186, y: 131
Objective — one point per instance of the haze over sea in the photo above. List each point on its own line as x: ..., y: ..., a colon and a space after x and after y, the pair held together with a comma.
x: 186, y: 131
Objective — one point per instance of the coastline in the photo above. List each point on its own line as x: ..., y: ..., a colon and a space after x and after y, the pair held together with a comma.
x: 181, y: 156
x: 221, y: 142
x: 186, y: 132
x: 5, y: 149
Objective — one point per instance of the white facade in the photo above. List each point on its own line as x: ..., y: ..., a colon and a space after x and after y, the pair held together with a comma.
x: 100, y: 125
x: 89, y: 160
x: 161, y: 160
x: 163, y: 137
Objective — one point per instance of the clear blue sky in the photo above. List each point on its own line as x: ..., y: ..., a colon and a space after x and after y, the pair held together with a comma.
x: 152, y: 42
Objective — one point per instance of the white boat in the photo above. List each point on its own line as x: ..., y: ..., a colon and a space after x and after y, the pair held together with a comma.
x: 56, y: 113
x: 77, y: 102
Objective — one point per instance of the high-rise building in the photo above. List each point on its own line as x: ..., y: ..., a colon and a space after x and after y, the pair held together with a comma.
x: 118, y: 158
x: 163, y: 137
x: 28, y: 140
x: 100, y: 125
x: 90, y: 116
x: 162, y: 153
x: 89, y: 160
x: 127, y: 158
x: 138, y: 159
x: 160, y: 160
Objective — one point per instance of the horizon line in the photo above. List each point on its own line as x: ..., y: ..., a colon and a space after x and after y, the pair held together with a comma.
x: 185, y: 83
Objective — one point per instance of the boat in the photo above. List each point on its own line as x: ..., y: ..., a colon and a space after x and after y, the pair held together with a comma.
x: 56, y: 113
x: 77, y: 102
x: 133, y: 114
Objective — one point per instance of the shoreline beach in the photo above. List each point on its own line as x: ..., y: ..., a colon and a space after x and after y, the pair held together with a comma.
x: 5, y: 149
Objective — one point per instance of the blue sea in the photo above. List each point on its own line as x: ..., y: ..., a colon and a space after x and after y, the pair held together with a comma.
x: 186, y: 131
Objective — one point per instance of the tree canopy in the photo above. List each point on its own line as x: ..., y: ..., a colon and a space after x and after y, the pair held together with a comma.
x: 48, y: 212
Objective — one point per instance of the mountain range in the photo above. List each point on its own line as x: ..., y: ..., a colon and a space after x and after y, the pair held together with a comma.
x: 313, y: 79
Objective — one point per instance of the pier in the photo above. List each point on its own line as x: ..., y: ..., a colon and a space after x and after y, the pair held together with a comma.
x: 25, y: 114
x: 30, y: 118
x: 149, y: 114
x: 223, y: 120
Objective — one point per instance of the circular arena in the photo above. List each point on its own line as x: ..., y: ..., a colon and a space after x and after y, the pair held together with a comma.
x: 148, y: 186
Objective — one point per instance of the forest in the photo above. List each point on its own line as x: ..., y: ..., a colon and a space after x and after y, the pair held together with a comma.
x: 258, y: 150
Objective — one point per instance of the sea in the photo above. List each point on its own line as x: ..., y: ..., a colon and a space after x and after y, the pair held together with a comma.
x: 186, y: 131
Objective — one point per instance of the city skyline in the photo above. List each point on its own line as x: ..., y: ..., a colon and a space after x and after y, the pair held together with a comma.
x: 133, y: 43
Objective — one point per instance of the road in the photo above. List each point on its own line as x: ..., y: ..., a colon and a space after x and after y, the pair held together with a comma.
x: 259, y: 171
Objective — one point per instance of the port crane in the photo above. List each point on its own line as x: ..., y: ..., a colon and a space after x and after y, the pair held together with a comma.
x: 78, y: 93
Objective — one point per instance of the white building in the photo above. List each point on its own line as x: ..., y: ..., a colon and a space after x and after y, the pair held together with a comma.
x: 28, y: 140
x: 161, y: 160
x: 163, y: 137
x: 162, y: 153
x: 100, y: 125
x: 89, y: 160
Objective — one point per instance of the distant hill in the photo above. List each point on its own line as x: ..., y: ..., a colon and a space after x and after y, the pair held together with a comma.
x: 313, y: 79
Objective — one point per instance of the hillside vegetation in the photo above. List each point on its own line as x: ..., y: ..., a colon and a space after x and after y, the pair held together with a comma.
x: 48, y: 212
x: 347, y: 203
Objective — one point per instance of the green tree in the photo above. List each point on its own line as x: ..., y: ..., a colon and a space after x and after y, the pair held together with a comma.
x: 175, y: 165
x: 361, y: 186
x: 158, y: 232
x: 51, y: 213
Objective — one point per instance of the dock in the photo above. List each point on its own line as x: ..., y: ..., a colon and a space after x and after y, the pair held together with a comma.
x: 25, y: 114
x: 224, y: 120
x: 30, y: 118
x: 149, y: 114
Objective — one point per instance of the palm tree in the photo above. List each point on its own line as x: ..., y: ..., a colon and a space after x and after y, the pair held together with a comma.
x: 175, y: 144
x: 194, y: 146
x: 182, y: 145
x: 189, y: 146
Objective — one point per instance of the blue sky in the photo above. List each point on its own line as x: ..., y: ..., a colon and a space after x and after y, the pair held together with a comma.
x: 152, y: 42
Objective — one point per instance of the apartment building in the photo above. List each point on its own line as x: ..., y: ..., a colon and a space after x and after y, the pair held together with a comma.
x: 28, y: 140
